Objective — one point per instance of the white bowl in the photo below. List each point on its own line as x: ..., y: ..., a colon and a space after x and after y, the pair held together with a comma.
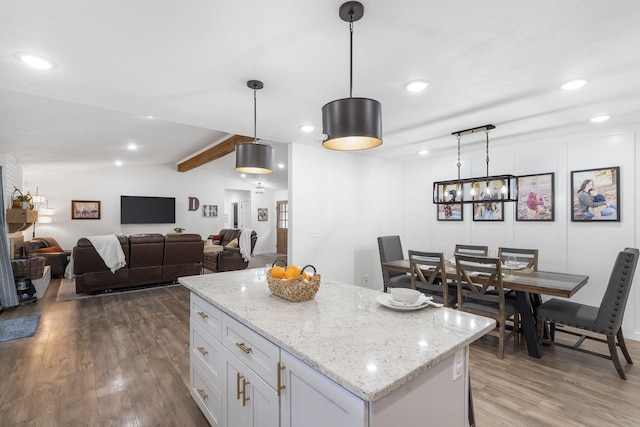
x: 405, y: 295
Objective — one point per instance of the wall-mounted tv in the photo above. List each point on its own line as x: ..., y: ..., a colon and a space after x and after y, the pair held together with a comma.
x: 147, y: 210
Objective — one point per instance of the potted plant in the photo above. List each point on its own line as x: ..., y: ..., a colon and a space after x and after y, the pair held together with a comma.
x: 179, y: 229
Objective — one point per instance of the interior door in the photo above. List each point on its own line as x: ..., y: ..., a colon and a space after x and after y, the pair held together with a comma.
x: 282, y: 226
x: 245, y: 214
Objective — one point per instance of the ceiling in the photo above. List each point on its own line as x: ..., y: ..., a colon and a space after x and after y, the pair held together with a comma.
x: 187, y: 63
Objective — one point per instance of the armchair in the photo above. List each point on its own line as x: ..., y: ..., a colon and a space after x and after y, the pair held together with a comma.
x: 229, y: 258
x: 50, y: 250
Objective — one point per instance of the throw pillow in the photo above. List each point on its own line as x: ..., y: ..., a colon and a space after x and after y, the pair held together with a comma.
x: 51, y: 249
x: 233, y: 243
x: 215, y: 242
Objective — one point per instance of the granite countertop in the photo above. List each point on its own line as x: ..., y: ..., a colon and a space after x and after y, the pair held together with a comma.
x: 369, y: 352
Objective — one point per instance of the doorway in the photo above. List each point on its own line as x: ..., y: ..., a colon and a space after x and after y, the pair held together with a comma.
x: 282, y: 226
x: 237, y: 209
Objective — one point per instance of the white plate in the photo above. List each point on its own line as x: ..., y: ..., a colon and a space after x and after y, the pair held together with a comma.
x: 385, y: 299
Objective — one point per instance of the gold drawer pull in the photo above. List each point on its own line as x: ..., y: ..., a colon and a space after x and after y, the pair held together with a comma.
x: 245, y: 398
x: 203, y: 351
x: 280, y: 385
x: 203, y: 315
x: 238, y: 378
x: 243, y: 347
x: 202, y: 394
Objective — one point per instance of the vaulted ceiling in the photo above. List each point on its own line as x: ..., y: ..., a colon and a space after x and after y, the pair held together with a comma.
x: 186, y: 64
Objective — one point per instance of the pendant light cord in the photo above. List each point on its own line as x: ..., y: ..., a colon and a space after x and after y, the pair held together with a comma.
x: 255, y: 116
x: 351, y: 54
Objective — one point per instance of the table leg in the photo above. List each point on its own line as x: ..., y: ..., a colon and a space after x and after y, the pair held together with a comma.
x: 529, y: 327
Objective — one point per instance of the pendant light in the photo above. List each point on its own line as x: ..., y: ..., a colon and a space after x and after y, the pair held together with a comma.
x: 254, y: 157
x: 352, y: 123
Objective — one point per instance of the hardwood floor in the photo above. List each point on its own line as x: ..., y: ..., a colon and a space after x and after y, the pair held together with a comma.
x: 122, y: 360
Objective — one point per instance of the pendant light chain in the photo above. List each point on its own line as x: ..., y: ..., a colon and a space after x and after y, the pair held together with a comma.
x: 487, y: 133
x: 459, y: 164
x: 351, y: 54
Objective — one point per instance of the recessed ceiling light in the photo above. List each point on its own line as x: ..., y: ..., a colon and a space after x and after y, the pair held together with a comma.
x: 423, y: 152
x: 281, y: 165
x: 118, y: 163
x: 242, y: 175
x: 307, y: 128
x: 574, y: 84
x: 417, y: 86
x: 35, y: 61
x: 132, y: 146
x: 599, y: 119
x: 149, y: 117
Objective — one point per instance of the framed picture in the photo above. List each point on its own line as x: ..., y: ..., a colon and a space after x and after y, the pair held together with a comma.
x: 209, y: 211
x: 595, y: 194
x: 263, y: 214
x: 450, y: 212
x: 536, y: 197
x: 85, y: 209
x: 490, y: 210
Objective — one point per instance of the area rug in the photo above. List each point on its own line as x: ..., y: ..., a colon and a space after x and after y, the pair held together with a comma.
x: 67, y: 290
x: 22, y: 327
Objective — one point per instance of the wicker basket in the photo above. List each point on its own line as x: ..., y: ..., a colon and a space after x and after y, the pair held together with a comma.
x: 296, y: 290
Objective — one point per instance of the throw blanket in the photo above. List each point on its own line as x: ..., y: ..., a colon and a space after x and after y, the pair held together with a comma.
x: 245, y: 243
x: 108, y: 247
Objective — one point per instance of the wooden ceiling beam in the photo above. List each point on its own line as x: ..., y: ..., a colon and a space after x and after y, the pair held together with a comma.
x: 222, y: 149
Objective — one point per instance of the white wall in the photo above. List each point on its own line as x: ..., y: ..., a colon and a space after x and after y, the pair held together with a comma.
x: 339, y: 203
x: 584, y: 248
x: 107, y: 185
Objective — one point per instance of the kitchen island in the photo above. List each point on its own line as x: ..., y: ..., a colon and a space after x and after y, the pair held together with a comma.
x: 257, y: 359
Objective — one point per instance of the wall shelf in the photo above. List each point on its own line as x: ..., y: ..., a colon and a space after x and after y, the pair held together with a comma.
x: 20, y: 219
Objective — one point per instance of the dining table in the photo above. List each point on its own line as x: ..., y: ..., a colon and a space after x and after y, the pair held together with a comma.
x: 524, y: 282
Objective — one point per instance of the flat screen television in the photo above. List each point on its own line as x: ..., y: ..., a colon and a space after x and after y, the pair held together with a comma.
x: 147, y: 210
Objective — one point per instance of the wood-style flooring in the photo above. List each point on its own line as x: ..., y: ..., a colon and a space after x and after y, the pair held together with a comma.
x: 122, y: 360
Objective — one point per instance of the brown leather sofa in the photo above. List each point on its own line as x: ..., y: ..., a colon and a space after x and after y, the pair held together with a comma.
x: 57, y: 259
x: 151, y: 259
x: 229, y: 259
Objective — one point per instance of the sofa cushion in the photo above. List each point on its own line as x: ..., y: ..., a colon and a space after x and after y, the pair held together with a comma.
x: 233, y: 243
x: 51, y: 249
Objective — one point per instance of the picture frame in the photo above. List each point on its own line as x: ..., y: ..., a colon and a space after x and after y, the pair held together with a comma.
x: 85, y: 209
x: 536, y: 197
x: 450, y: 212
x: 263, y: 214
x: 209, y: 211
x: 595, y: 195
x: 490, y: 210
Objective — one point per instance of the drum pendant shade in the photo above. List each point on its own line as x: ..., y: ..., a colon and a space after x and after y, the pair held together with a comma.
x: 252, y: 157
x: 352, y: 124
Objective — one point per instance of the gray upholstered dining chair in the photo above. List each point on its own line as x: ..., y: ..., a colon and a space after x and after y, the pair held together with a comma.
x: 391, y: 250
x: 605, y: 319
x: 476, y: 275
x: 472, y: 250
x: 427, y: 268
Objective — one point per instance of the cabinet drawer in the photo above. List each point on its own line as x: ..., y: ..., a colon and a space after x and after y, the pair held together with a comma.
x: 258, y: 353
x: 207, y: 396
x: 207, y: 350
x: 207, y: 316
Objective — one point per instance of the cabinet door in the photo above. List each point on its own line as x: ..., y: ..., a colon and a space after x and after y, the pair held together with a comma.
x: 310, y: 399
x: 248, y: 400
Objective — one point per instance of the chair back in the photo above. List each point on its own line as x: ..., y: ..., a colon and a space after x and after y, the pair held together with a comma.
x: 525, y: 256
x: 426, y: 270
x: 615, y: 297
x: 472, y: 250
x: 390, y: 250
x: 475, y: 276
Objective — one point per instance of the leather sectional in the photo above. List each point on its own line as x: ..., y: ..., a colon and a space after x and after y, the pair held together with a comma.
x: 151, y: 259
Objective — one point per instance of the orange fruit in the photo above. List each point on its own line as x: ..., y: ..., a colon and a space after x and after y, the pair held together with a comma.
x: 277, y: 272
x: 292, y: 272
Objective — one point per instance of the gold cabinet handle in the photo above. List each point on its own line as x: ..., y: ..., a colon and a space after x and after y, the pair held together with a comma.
x: 243, y: 347
x: 245, y: 398
x: 280, y: 385
x: 238, y: 378
x: 203, y: 315
x: 203, y: 351
x: 202, y: 394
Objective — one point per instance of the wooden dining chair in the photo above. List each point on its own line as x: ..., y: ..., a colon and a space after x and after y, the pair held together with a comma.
x: 428, y: 275
x: 472, y: 250
x: 476, y: 275
x: 528, y: 256
x: 604, y: 320
x: 390, y: 249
